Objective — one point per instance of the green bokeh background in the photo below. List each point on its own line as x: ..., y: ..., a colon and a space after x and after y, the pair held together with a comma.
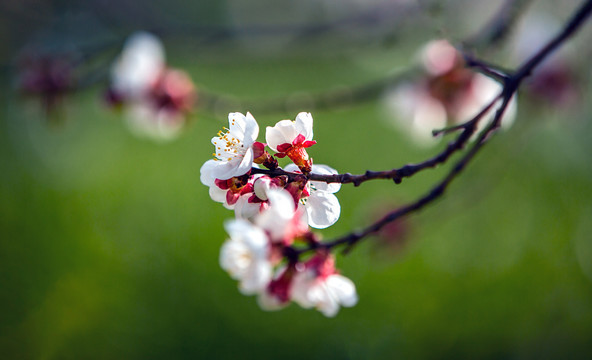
x: 109, y: 243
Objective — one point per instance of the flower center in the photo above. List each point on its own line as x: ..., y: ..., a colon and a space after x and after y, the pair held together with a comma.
x: 228, y: 146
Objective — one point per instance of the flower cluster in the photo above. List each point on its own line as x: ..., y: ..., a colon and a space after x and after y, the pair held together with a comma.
x: 273, y: 215
x: 158, y: 98
x: 448, y: 93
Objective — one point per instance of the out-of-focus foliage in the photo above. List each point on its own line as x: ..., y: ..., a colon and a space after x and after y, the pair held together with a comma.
x: 109, y: 244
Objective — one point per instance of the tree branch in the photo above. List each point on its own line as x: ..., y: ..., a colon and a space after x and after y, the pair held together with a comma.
x: 510, y: 87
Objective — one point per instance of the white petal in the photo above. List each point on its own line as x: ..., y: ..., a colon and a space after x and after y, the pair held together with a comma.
x: 237, y: 125
x: 274, y: 137
x: 237, y: 166
x: 485, y: 90
x: 246, y: 163
x: 301, y: 284
x: 283, y: 132
x: 325, y: 303
x: 243, y: 209
x: 277, y: 217
x: 224, y: 170
x: 219, y: 195
x: 245, y: 256
x: 429, y: 114
x: 261, y: 186
x: 257, y: 278
x: 138, y: 66
x: 268, y: 302
x: 323, y: 209
x: 206, y: 172
x: 342, y: 289
x: 301, y: 211
x: 303, y: 125
x: 232, y: 259
x: 251, y: 130
x: 291, y: 167
x: 242, y: 230
x: 281, y: 203
x: 318, y: 294
x: 323, y: 186
x: 140, y: 117
x: 168, y: 125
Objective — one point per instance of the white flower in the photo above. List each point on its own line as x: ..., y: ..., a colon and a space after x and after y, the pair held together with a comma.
x: 322, y: 207
x: 291, y: 138
x: 288, y: 131
x: 138, y: 66
x: 234, y: 149
x: 245, y: 256
x: 157, y: 97
x: 325, y: 293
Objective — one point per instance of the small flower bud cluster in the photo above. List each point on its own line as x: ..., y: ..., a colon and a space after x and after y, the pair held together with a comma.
x: 157, y: 97
x: 264, y: 251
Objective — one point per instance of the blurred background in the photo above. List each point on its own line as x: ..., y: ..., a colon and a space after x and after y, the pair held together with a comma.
x: 109, y: 242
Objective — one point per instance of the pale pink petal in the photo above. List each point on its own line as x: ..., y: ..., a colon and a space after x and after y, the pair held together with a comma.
x: 439, y: 57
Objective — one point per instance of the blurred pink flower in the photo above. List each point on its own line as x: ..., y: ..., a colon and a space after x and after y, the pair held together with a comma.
x: 448, y: 93
x: 157, y: 98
